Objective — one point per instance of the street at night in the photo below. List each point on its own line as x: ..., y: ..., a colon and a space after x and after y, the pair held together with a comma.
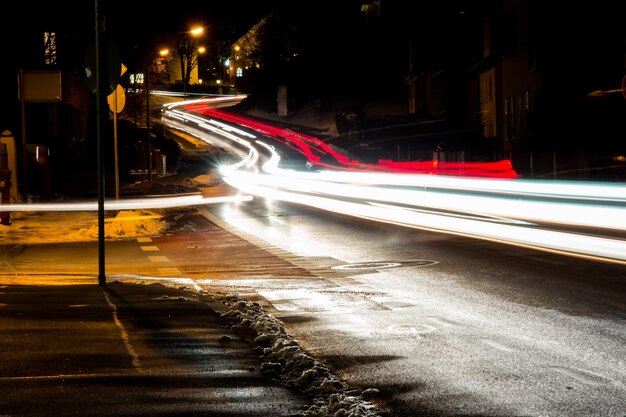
x: 364, y: 209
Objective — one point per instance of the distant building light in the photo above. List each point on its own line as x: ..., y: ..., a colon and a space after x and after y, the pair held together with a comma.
x: 50, y: 48
x: 227, y: 63
x: 239, y: 72
x: 218, y: 82
x: 137, y: 78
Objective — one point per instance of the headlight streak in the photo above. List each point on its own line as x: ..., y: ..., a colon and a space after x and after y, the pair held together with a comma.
x: 590, y: 247
x: 517, y: 212
x: 272, y: 163
x: 128, y: 204
x: 512, y: 211
x: 520, y: 188
x: 572, y: 214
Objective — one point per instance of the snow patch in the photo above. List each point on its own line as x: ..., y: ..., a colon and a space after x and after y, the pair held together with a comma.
x: 56, y: 227
x: 283, y: 358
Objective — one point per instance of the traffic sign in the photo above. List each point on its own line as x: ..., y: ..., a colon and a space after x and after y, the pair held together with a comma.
x: 117, y: 100
x: 112, y: 71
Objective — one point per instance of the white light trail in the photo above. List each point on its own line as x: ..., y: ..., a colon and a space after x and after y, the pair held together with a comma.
x: 536, y: 214
x: 560, y: 242
x: 512, y: 211
x: 574, y: 214
x: 128, y: 204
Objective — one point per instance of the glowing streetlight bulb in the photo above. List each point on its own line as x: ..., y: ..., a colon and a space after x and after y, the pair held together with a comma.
x: 197, y: 31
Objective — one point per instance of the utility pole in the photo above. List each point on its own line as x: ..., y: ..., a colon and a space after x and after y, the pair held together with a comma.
x: 101, y: 110
x: 147, y: 85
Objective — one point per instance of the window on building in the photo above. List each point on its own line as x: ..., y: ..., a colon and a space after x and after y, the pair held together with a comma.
x: 136, y: 78
x: 239, y: 72
x: 50, y: 48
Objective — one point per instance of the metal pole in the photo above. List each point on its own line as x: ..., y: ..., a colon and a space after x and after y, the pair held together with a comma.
x: 184, y: 88
x: 115, y: 150
x: 148, y: 116
x: 24, y: 157
x: 100, y: 112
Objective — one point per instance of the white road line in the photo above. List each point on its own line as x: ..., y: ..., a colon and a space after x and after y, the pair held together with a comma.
x: 125, y: 339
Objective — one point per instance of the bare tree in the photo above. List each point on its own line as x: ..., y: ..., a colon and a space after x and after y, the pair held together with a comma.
x: 187, y: 52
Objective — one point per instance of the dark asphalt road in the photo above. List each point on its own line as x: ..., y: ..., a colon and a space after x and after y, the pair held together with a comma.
x: 130, y: 350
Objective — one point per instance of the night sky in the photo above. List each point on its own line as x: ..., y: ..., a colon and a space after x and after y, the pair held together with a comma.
x: 584, y: 47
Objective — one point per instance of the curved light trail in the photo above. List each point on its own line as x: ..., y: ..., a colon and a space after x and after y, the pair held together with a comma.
x: 486, y: 201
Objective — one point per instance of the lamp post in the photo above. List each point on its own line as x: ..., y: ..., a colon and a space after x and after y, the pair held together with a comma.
x: 200, y: 51
x: 162, y: 52
x: 147, y: 88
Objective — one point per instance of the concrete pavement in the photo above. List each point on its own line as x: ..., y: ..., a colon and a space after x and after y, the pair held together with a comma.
x: 71, y: 347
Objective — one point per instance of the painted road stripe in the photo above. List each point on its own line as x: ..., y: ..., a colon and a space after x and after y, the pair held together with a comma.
x: 144, y: 239
x: 123, y: 332
x: 150, y: 248
x: 158, y: 259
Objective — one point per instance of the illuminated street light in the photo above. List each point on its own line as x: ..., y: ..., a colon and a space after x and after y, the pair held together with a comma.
x: 197, y: 31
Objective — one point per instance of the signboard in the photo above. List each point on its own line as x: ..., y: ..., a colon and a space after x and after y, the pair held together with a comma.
x: 117, y: 100
x: 110, y: 71
x: 41, y: 86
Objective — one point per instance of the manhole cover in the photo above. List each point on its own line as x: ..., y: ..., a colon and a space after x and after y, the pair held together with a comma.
x: 409, y: 329
x: 383, y: 265
x: 369, y: 265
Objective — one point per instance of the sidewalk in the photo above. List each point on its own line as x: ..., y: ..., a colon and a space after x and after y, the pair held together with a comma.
x: 128, y: 350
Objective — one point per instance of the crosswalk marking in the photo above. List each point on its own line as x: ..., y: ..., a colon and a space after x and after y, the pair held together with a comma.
x: 150, y: 248
x: 158, y: 259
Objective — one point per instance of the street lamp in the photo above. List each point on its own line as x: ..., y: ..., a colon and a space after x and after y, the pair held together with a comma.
x: 162, y: 52
x: 200, y: 51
